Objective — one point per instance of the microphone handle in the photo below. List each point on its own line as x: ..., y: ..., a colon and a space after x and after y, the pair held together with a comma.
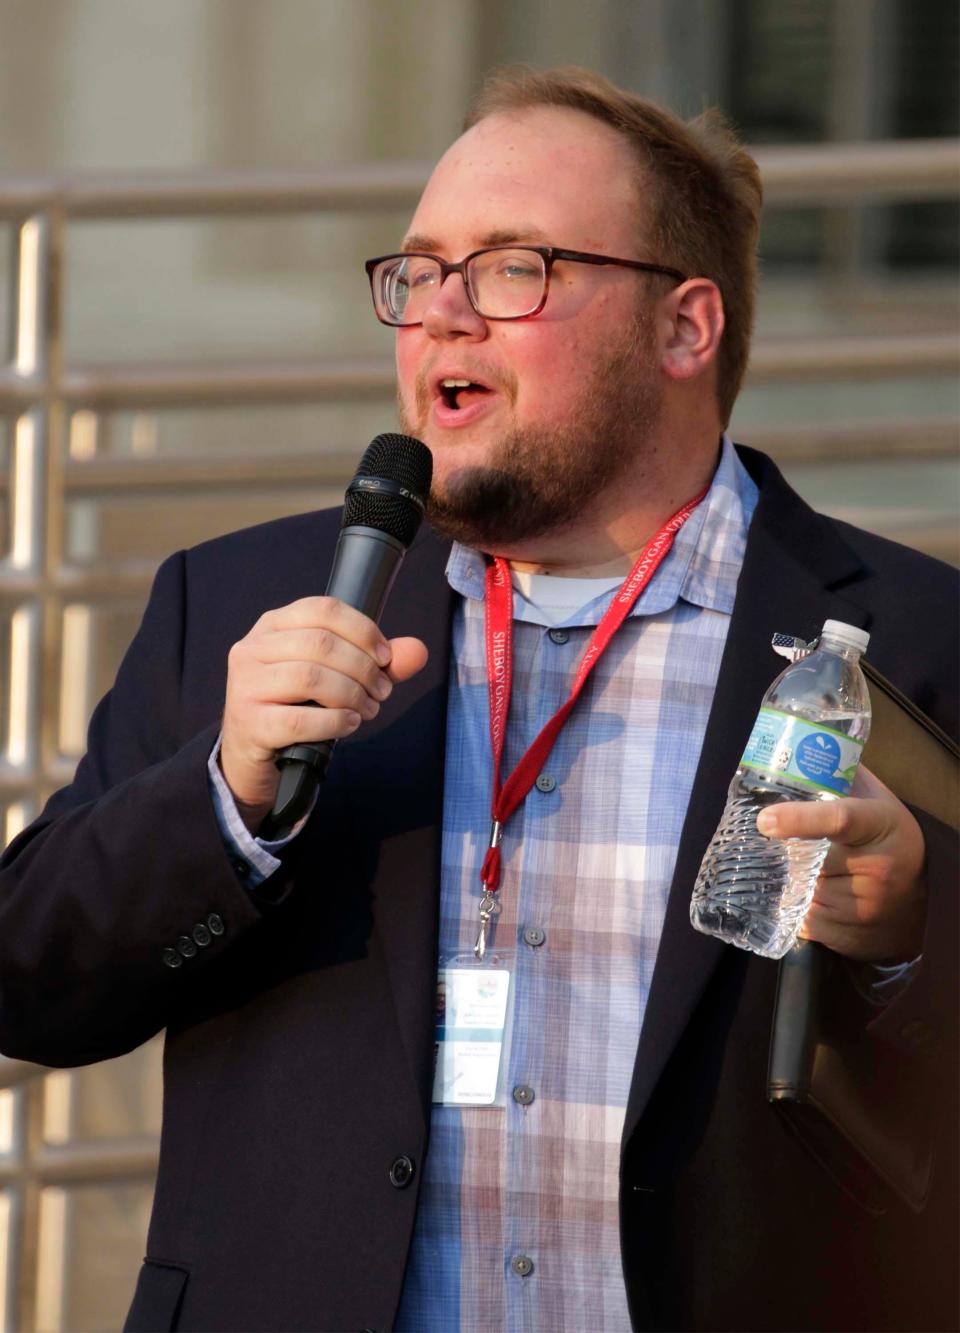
x: 365, y: 565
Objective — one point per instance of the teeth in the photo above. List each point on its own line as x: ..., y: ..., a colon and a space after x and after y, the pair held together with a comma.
x: 456, y: 384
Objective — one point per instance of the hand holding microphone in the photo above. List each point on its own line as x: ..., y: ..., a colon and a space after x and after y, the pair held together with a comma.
x: 325, y: 650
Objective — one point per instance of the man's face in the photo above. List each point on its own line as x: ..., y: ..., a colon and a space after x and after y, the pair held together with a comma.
x: 561, y: 404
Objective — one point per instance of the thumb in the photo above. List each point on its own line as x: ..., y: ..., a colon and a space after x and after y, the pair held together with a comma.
x: 852, y: 821
x: 409, y: 657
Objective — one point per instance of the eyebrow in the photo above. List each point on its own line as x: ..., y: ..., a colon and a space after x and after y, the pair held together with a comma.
x: 502, y: 236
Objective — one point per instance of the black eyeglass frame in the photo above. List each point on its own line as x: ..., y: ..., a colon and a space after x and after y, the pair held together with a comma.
x: 547, y: 253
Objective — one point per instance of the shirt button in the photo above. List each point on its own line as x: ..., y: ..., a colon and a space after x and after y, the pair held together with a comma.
x: 534, y: 936
x: 559, y: 635
x: 522, y: 1265
x: 186, y: 946
x: 201, y: 934
x: 401, y: 1172
x: 523, y: 1095
x: 546, y: 783
x: 172, y: 958
x: 215, y: 922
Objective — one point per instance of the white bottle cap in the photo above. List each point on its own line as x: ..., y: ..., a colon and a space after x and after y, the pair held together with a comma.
x: 847, y: 634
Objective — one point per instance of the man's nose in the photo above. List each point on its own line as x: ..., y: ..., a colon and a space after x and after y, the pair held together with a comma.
x: 450, y: 314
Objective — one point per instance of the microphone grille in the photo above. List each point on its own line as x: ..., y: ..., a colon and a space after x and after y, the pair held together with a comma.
x: 399, y: 458
x: 408, y: 464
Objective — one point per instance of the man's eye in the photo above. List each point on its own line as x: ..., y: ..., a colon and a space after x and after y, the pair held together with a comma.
x: 421, y: 276
x: 516, y: 269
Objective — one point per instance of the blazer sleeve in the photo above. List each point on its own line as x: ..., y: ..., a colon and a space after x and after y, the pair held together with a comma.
x: 123, y: 864
x: 923, y: 1020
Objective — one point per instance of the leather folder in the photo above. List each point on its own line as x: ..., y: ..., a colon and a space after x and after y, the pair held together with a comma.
x: 833, y: 1087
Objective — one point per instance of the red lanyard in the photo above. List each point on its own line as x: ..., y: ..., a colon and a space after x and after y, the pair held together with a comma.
x: 507, y: 796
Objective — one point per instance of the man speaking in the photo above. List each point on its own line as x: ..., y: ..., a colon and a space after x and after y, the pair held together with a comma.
x: 422, y: 1074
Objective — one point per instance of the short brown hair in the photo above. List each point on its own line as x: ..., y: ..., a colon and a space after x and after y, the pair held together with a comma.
x: 700, y: 184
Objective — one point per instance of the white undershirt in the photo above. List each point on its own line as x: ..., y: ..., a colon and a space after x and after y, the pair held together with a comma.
x: 547, y: 599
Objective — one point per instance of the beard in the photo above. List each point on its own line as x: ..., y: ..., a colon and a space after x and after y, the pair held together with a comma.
x: 539, y: 480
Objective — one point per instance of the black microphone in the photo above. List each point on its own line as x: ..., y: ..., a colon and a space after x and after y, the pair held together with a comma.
x: 382, y: 510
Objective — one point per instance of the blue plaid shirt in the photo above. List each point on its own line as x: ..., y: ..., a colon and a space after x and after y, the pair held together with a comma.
x: 533, y: 1188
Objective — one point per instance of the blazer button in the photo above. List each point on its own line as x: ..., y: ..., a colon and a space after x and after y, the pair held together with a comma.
x: 172, y: 958
x: 202, y: 935
x: 186, y: 946
x: 401, y: 1172
x: 215, y: 922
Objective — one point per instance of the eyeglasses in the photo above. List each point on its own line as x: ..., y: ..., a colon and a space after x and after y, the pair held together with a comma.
x: 501, y: 281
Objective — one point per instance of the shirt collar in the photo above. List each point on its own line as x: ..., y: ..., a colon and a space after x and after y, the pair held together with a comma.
x: 703, y: 564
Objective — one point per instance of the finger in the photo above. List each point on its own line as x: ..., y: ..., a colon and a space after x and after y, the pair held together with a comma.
x: 297, y: 724
x: 835, y: 909
x: 296, y: 682
x: 329, y: 613
x: 409, y: 657
x: 823, y: 928
x: 837, y: 898
x: 863, y: 862
x: 837, y: 861
x: 865, y: 939
x: 323, y: 647
x: 851, y: 821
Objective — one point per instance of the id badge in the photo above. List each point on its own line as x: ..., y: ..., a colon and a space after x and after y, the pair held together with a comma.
x: 474, y: 1020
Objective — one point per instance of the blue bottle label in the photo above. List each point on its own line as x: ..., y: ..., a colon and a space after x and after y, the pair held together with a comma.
x: 807, y: 753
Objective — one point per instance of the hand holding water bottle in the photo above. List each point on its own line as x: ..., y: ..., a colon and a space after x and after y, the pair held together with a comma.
x: 870, y: 899
x: 789, y: 856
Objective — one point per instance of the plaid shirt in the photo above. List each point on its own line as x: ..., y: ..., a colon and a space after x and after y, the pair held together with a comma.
x: 587, y: 865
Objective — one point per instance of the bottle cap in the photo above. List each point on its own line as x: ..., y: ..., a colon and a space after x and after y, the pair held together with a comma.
x: 847, y: 634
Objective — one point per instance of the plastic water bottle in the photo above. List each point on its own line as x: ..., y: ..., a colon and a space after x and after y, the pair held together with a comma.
x: 805, y: 745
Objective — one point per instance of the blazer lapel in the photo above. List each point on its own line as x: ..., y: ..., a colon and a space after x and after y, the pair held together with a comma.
x: 794, y: 563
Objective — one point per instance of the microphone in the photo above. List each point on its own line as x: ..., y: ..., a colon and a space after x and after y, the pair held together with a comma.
x: 382, y: 510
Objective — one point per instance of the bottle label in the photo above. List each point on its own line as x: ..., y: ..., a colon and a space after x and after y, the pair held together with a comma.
x: 807, y: 753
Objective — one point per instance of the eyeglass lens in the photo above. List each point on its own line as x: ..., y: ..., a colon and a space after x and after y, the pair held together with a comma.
x: 504, y: 284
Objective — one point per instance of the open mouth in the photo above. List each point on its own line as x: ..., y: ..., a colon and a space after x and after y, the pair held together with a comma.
x: 456, y: 393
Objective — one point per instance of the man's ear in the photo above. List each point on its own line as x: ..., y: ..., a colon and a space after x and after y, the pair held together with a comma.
x: 692, y: 323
